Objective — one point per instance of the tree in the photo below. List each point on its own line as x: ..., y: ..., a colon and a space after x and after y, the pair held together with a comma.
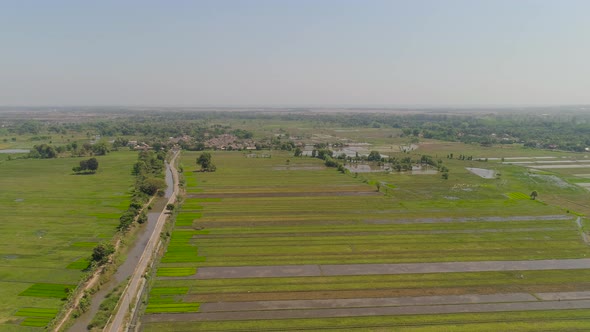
x: 298, y: 152
x: 139, y: 167
x: 100, y: 148
x: 87, y: 166
x: 43, y: 151
x: 534, y: 195
x: 126, y: 220
x: 374, y: 156
x: 151, y: 186
x: 92, y: 165
x: 205, y: 161
x: 120, y: 142
x: 101, y: 253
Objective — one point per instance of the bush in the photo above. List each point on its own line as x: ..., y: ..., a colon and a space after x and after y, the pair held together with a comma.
x: 135, y: 205
x: 101, y: 253
x: 142, y: 218
x: 126, y: 219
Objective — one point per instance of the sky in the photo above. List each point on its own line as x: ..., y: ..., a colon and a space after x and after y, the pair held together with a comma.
x: 294, y: 53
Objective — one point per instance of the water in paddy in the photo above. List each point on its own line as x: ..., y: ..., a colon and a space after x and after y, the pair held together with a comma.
x: 127, y: 268
x: 14, y: 151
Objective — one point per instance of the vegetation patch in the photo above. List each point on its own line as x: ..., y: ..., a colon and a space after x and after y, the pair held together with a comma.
x: 518, y: 195
x: 106, y: 308
x: 59, y: 217
x: 79, y: 264
x: 161, y: 295
x: 176, y: 271
x: 180, y: 249
x: 192, y: 204
x: 186, y: 219
x: 172, y: 307
x: 36, y: 317
x: 48, y: 290
x: 84, y: 244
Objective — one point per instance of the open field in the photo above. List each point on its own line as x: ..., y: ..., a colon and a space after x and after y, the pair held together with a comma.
x: 51, y: 221
x: 302, y: 221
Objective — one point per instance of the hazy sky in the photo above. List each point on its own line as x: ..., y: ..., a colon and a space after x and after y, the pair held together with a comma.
x: 297, y: 52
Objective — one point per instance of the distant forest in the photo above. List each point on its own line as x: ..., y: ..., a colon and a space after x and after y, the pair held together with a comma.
x: 570, y: 131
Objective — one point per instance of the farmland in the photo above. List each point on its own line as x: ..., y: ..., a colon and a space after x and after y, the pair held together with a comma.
x: 463, y: 236
x: 51, y: 221
x: 285, y: 243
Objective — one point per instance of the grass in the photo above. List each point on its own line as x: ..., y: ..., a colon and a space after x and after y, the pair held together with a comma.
x: 55, y: 219
x: 105, y: 310
x: 260, y: 212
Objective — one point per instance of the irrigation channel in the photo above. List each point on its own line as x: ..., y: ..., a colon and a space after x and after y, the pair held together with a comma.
x: 125, y: 270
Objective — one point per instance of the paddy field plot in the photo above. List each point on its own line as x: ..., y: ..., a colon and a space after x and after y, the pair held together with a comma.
x: 51, y: 220
x: 560, y: 180
x: 299, y: 224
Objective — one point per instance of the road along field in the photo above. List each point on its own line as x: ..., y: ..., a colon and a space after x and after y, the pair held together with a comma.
x: 283, y: 243
x: 51, y: 220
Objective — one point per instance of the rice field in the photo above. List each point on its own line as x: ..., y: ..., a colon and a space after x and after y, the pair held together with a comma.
x: 59, y: 291
x: 518, y: 195
x: 267, y: 212
x: 36, y: 317
x: 52, y: 220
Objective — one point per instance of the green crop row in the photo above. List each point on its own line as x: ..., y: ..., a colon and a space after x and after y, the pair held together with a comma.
x: 172, y: 307
x: 169, y: 290
x: 518, y: 195
x: 36, y: 312
x: 559, y: 320
x: 35, y: 321
x: 176, y: 271
x: 79, y: 264
x: 36, y: 317
x: 47, y: 290
x: 186, y: 219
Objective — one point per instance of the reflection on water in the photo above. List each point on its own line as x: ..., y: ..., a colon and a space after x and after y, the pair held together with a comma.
x: 364, y: 168
x: 367, y: 168
x: 14, y: 151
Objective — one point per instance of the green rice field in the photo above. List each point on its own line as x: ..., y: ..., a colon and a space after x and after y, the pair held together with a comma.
x: 51, y: 221
x: 270, y: 211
